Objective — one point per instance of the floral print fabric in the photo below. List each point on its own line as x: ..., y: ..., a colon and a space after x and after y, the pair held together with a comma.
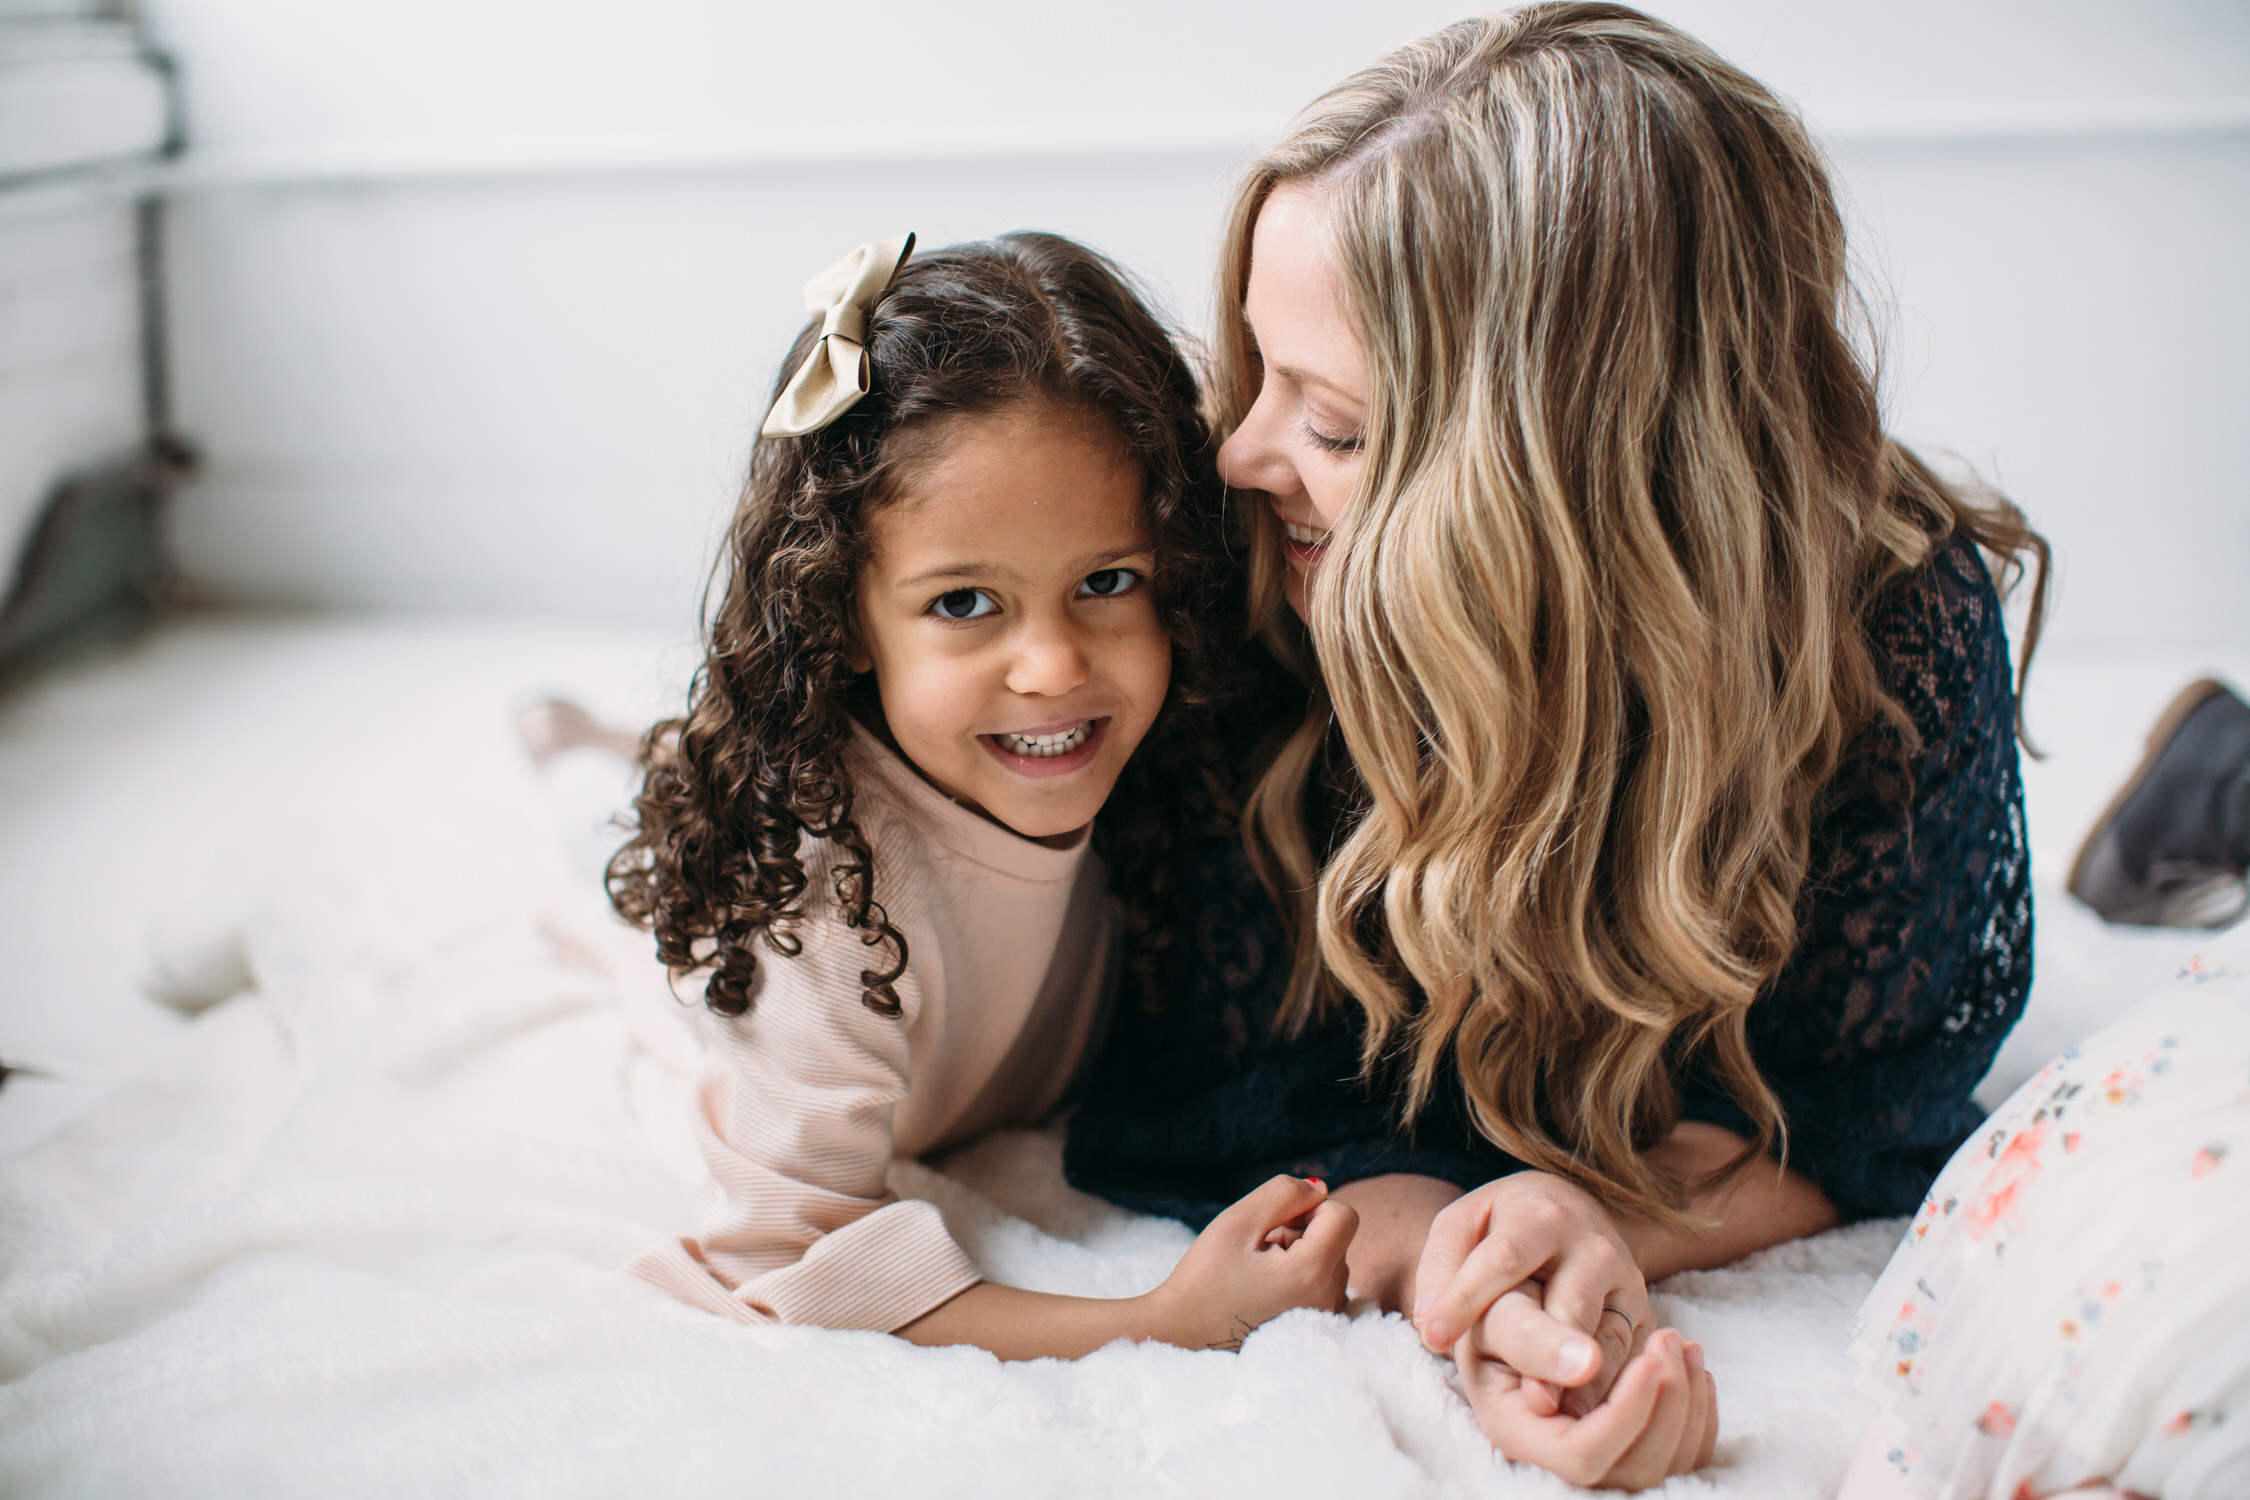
x: 2072, y: 1300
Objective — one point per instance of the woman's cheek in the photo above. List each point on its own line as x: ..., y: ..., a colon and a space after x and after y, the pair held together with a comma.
x: 1331, y: 492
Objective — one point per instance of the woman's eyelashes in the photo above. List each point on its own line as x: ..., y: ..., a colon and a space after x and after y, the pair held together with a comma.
x: 1350, y: 442
x: 1328, y: 443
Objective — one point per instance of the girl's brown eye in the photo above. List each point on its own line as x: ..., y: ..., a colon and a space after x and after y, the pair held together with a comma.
x: 963, y: 604
x: 1109, y: 583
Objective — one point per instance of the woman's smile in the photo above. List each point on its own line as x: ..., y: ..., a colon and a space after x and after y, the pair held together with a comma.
x: 1303, y: 543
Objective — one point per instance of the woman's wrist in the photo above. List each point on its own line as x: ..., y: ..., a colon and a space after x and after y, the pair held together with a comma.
x: 1395, y: 1213
x: 1763, y: 1206
x: 1657, y: 1249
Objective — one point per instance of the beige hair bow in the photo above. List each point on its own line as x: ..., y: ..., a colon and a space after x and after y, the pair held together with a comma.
x: 834, y: 376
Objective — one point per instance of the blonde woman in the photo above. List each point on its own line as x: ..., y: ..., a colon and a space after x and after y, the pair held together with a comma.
x: 1630, y: 870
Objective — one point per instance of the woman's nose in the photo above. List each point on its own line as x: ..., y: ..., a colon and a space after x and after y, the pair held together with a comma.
x: 1254, y: 458
x: 1050, y: 661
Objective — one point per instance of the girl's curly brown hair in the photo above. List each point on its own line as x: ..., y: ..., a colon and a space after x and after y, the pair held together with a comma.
x: 716, y: 864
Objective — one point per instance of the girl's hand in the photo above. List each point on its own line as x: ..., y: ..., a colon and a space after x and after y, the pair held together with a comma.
x: 1661, y: 1417
x: 1583, y: 1302
x: 1280, y: 1247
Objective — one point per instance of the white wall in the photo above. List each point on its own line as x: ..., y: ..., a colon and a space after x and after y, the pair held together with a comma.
x: 70, y: 348
x: 474, y: 302
x: 76, y: 98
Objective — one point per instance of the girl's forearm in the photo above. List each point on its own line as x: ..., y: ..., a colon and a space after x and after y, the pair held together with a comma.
x: 1016, y: 1324
x: 1762, y: 1207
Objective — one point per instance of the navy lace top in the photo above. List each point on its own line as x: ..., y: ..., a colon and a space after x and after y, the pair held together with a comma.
x: 1913, y: 961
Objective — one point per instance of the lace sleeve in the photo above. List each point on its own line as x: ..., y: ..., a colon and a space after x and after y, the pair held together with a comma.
x: 1914, y: 949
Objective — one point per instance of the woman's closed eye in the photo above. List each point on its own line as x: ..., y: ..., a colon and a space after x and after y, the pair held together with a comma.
x: 963, y: 604
x: 1108, y: 583
x: 1333, y: 443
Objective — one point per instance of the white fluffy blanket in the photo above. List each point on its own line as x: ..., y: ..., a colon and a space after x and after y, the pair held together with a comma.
x: 355, y: 1231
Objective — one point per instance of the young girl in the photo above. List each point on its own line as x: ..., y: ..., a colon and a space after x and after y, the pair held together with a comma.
x: 970, y: 574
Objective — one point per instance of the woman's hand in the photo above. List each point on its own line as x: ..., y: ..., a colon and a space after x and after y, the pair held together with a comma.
x: 1584, y: 1303
x: 1282, y: 1246
x: 1660, y: 1418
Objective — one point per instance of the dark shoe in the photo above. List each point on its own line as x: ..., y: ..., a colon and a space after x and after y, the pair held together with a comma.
x: 2171, y: 849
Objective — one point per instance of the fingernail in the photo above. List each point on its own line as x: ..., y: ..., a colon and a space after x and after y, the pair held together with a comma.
x: 1422, y: 1308
x: 1438, y: 1334
x: 1316, y: 1182
x: 1575, y: 1359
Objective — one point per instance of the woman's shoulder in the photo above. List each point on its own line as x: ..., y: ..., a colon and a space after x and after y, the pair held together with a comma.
x: 1941, y: 646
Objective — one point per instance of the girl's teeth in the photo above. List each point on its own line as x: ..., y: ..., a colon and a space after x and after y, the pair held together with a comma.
x: 1041, y: 746
x: 1303, y: 535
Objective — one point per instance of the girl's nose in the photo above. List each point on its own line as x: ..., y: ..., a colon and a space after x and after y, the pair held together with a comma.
x: 1049, y: 662
x: 1254, y: 458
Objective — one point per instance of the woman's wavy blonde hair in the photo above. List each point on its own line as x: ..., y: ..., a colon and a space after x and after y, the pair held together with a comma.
x: 1591, y: 627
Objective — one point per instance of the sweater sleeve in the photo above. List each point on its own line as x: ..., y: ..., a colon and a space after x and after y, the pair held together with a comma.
x: 794, y: 1119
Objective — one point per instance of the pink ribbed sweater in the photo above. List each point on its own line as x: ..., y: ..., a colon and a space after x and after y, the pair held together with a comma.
x: 805, y: 1100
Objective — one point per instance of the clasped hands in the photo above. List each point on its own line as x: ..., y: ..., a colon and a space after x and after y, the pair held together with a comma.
x: 1533, y: 1288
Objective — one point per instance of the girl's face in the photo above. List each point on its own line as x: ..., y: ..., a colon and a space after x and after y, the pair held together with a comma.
x: 1006, y: 612
x: 1300, y: 441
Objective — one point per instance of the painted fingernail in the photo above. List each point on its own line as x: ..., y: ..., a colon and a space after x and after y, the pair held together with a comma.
x: 1574, y: 1359
x: 1317, y: 1183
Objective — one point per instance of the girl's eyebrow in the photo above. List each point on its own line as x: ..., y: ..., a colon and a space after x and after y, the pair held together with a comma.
x: 955, y: 570
x: 1092, y: 562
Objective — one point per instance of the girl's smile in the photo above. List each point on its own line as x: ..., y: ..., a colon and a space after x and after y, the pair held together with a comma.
x: 1053, y: 752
